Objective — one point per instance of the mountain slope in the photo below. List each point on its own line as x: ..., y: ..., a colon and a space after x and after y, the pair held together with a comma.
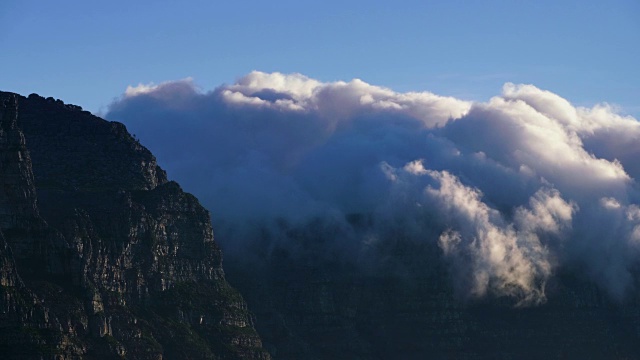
x: 398, y: 301
x: 101, y: 256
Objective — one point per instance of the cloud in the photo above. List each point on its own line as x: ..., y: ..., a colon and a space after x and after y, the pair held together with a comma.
x: 494, y: 254
x: 509, y: 190
x: 154, y: 90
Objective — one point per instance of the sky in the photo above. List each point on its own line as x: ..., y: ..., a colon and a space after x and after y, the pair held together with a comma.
x: 87, y: 53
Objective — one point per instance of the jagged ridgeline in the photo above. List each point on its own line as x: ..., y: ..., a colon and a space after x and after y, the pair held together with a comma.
x: 101, y: 257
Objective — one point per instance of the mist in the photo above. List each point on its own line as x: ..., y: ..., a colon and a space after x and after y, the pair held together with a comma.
x: 508, y: 190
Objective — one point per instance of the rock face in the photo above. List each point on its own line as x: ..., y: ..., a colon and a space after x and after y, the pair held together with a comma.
x: 101, y: 257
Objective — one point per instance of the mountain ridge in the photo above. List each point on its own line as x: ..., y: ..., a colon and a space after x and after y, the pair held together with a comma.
x: 101, y: 255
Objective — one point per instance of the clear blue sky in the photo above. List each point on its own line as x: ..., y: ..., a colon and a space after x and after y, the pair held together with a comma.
x: 87, y: 52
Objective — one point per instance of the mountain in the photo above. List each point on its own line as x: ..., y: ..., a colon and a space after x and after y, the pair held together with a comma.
x: 101, y: 256
x: 397, y: 300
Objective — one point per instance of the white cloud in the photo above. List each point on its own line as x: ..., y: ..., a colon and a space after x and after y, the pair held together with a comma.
x: 416, y: 168
x: 140, y: 89
x: 151, y: 88
x: 515, y: 187
x: 340, y: 100
x: 499, y: 257
x: 610, y: 203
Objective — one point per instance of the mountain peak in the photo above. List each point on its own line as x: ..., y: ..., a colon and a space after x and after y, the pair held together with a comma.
x: 100, y: 255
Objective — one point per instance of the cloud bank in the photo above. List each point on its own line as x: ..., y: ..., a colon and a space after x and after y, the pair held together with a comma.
x: 509, y: 190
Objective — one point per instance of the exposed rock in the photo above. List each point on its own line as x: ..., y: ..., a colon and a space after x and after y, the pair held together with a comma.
x: 100, y: 255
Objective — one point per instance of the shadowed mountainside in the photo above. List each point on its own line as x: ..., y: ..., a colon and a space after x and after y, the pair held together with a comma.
x: 100, y: 255
x: 398, y: 301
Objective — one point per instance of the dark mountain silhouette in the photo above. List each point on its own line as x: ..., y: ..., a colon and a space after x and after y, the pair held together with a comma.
x: 398, y: 301
x: 101, y: 256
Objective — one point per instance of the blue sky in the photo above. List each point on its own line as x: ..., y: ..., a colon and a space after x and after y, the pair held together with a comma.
x: 87, y: 53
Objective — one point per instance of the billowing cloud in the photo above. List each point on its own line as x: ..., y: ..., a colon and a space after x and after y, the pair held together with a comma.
x: 154, y: 90
x: 508, y: 191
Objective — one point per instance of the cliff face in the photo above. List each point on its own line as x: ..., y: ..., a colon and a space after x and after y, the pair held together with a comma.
x: 100, y: 255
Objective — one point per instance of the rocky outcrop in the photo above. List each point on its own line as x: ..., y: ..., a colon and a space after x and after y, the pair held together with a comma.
x: 100, y: 255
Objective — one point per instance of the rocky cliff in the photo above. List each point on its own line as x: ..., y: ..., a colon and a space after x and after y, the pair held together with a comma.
x: 101, y: 257
x: 397, y: 301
